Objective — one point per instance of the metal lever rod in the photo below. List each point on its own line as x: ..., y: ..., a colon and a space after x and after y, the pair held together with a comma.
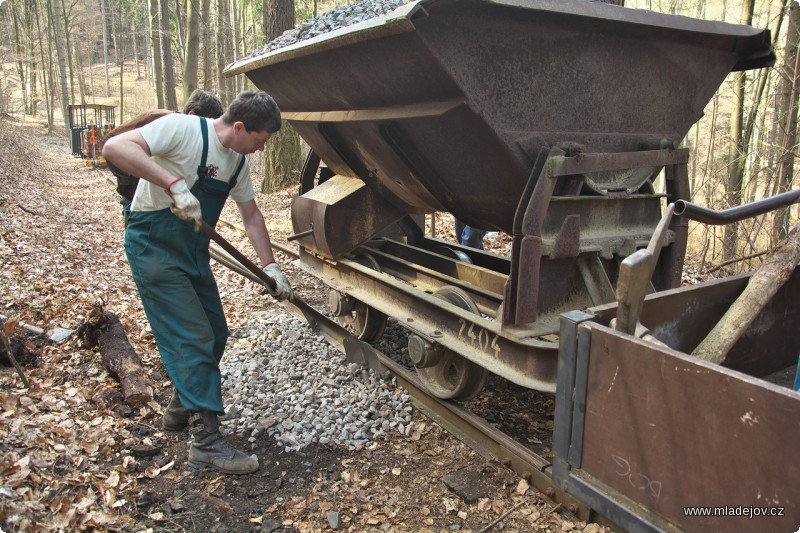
x: 300, y: 235
x: 333, y: 332
x: 634, y: 276
x: 354, y: 349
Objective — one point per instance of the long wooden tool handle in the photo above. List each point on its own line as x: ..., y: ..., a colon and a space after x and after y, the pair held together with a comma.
x: 239, y: 256
x: 355, y: 349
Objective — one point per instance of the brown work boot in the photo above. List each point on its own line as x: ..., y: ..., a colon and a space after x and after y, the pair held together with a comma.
x: 176, y: 418
x: 209, y: 450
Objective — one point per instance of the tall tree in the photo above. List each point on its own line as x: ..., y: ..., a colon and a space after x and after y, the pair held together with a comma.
x: 155, y: 47
x: 235, y: 33
x: 736, y: 150
x: 191, y: 59
x: 168, y: 73
x: 68, y: 38
x: 19, y: 47
x: 30, y: 17
x: 206, y: 23
x: 790, y: 81
x: 104, y: 15
x: 282, y: 159
x: 56, y: 13
x: 79, y: 69
x: 44, y: 63
x: 224, y: 51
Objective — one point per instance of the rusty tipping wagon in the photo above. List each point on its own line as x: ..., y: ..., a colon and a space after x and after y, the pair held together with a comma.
x: 551, y: 121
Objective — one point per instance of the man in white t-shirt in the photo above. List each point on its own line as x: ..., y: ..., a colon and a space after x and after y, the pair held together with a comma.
x: 190, y: 165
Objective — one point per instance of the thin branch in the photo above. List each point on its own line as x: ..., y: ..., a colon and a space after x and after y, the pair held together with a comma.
x: 31, y: 211
x: 504, y: 515
x: 735, y: 260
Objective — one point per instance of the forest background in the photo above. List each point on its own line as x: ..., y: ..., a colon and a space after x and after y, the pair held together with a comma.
x: 139, y: 55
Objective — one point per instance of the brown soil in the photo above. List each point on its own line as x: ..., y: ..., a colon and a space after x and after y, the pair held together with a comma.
x: 74, y: 457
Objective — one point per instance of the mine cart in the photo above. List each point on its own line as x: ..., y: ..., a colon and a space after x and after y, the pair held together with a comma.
x: 657, y: 439
x: 548, y: 120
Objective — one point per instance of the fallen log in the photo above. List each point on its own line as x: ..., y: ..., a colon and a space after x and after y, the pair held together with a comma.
x: 5, y: 346
x: 122, y: 362
x: 763, y: 285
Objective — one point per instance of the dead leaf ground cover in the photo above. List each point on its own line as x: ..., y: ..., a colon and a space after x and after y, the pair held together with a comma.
x: 73, y: 457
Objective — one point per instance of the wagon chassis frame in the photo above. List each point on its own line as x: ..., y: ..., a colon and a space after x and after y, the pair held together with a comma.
x: 410, y: 271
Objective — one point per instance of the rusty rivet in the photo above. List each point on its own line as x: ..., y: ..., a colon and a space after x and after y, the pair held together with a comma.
x: 550, y: 492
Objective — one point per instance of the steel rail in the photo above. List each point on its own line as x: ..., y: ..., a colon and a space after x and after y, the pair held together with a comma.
x: 472, y: 430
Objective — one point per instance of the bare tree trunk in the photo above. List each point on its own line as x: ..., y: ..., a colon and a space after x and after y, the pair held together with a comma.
x: 788, y: 118
x: 20, y: 52
x: 68, y: 38
x: 148, y: 47
x: 155, y: 42
x: 135, y: 50
x: 236, y: 37
x: 170, y: 99
x: 224, y: 51
x: 79, y: 67
x: 51, y: 74
x: 736, y: 151
x: 105, y: 45
x: 31, y: 17
x: 191, y: 60
x: 121, y: 93
x: 282, y: 159
x: 181, y: 7
x: 44, y: 74
x: 736, y: 163
x: 206, y: 23
x: 58, y: 31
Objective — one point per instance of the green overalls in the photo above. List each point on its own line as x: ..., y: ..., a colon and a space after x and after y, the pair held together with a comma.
x: 171, y: 266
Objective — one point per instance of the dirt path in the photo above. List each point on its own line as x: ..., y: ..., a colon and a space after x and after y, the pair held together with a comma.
x: 72, y: 456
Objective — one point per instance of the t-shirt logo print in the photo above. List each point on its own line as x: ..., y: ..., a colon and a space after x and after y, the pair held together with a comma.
x: 212, y: 171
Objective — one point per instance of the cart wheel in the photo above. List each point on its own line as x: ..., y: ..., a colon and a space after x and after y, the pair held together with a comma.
x: 453, y: 376
x: 366, y: 322
x: 452, y: 253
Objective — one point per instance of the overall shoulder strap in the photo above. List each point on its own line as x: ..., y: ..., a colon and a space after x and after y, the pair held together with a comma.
x: 232, y: 183
x: 202, y: 170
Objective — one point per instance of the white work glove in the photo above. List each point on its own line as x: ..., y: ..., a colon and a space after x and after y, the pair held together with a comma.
x: 184, y: 204
x: 282, y: 288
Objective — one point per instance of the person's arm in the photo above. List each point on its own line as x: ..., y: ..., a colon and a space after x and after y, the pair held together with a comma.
x: 257, y: 232
x: 130, y: 153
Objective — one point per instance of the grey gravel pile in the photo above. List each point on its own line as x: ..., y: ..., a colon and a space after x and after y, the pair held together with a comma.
x: 332, y: 20
x: 280, y: 378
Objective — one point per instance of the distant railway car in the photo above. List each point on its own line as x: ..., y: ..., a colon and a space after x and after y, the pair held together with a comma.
x: 88, y: 125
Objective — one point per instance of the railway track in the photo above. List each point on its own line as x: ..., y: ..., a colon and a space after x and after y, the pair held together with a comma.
x: 473, y: 430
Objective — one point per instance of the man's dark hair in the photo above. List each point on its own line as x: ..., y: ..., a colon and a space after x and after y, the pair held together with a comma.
x: 257, y: 110
x: 204, y: 104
